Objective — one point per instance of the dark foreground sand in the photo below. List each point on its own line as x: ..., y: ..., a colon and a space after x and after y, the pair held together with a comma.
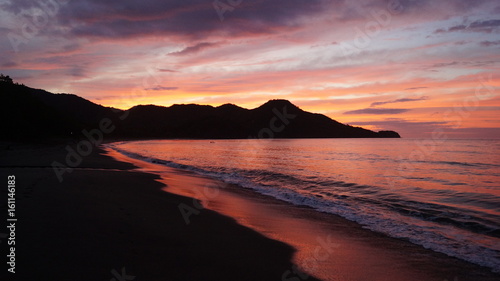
x: 109, y: 216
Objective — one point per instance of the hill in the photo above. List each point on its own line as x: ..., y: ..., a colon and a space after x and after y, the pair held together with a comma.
x: 37, y: 114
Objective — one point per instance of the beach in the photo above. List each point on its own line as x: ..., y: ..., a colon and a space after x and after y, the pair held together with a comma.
x: 105, y: 217
x: 114, y: 215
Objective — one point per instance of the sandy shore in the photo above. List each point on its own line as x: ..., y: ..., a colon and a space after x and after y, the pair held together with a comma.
x: 109, y: 217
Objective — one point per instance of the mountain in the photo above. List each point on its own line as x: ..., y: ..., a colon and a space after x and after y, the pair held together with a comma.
x: 32, y: 114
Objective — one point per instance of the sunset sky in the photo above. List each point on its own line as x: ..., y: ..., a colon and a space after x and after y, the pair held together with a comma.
x: 410, y: 66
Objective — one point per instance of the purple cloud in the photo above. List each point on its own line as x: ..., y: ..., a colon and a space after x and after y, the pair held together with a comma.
x: 406, y: 128
x: 489, y: 43
x: 378, y: 111
x: 194, y: 49
x: 66, y: 49
x: 399, y: 123
x: 487, y: 26
x: 445, y: 64
x: 412, y: 128
x: 193, y: 19
x: 400, y: 100
x: 415, y: 88
x: 9, y: 64
x: 161, y: 88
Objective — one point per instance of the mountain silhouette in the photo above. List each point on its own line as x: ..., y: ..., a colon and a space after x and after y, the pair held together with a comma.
x: 37, y: 114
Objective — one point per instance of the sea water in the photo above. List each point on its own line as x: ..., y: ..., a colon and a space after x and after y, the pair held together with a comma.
x: 441, y: 194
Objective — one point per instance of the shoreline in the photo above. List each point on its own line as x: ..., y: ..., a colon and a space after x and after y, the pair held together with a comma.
x: 122, y: 216
x: 108, y: 219
x: 356, y: 247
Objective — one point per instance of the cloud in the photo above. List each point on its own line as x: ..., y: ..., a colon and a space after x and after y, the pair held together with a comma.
x: 398, y: 122
x: 445, y: 64
x: 418, y: 129
x: 457, y: 28
x: 265, y: 51
x: 400, y: 100
x: 415, y: 88
x: 194, y: 49
x: 486, y: 26
x: 77, y: 71
x: 161, y: 88
x: 378, y: 111
x: 463, y: 63
x: 67, y: 49
x: 9, y: 64
x: 191, y: 19
x: 406, y: 128
x: 489, y: 43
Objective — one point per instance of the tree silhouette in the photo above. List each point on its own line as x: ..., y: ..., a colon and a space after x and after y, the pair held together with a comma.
x: 6, y: 79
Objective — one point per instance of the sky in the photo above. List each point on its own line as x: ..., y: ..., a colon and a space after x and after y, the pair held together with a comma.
x: 414, y: 66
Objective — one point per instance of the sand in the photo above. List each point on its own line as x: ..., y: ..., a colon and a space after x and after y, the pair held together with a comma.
x: 118, y: 216
x: 105, y: 216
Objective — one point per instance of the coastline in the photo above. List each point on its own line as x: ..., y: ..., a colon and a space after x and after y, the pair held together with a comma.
x: 359, y: 254
x: 107, y: 220
x: 114, y: 215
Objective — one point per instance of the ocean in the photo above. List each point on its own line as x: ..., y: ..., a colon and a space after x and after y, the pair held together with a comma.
x: 441, y: 194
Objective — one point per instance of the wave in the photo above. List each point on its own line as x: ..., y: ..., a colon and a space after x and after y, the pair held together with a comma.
x: 443, y: 228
